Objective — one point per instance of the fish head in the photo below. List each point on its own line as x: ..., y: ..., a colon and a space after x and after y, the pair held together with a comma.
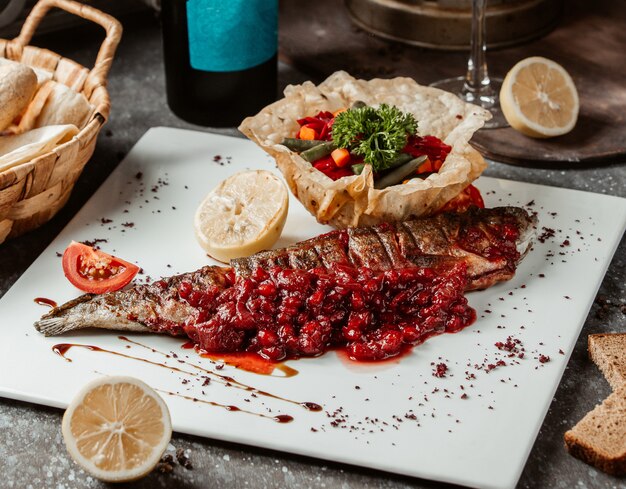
x: 527, y: 226
x: 524, y: 222
x: 494, y: 241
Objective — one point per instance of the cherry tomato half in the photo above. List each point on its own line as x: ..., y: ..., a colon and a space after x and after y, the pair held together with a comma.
x: 94, y: 271
x: 470, y: 196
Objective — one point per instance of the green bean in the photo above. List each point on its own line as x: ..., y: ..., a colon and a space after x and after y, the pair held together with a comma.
x: 397, y: 175
x: 299, y: 145
x: 401, y: 159
x: 358, y: 168
x: 319, y: 151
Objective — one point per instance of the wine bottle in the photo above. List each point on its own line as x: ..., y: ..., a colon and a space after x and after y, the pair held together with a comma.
x: 220, y: 58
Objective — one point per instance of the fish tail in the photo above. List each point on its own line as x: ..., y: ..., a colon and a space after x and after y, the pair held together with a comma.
x: 90, y: 311
x: 55, y: 326
x: 59, y: 321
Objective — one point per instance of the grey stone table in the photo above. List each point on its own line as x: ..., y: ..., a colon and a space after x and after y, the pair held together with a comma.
x: 32, y: 453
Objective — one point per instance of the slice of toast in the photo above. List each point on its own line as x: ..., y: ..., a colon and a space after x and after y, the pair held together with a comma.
x: 608, y: 351
x: 599, y: 438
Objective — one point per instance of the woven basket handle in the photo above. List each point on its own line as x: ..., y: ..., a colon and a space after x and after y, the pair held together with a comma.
x: 99, y: 72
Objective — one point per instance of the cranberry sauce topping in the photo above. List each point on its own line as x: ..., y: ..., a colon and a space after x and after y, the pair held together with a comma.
x: 286, y: 313
x: 493, y: 241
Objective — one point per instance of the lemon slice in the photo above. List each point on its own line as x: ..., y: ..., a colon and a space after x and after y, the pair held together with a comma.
x: 117, y: 428
x: 244, y: 214
x: 539, y: 98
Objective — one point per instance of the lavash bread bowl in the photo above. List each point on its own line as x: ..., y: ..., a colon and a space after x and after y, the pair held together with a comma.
x: 353, y: 201
x: 33, y: 191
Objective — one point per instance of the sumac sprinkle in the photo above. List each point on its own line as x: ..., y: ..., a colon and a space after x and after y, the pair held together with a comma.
x: 440, y: 370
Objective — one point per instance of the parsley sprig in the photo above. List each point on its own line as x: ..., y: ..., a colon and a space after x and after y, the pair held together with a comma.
x: 377, y: 134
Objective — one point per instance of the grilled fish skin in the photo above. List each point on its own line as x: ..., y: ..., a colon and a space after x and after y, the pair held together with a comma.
x: 148, y: 308
x: 491, y: 242
x: 447, y: 238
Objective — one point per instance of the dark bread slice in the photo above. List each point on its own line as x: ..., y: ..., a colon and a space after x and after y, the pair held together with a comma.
x: 608, y: 351
x: 599, y: 439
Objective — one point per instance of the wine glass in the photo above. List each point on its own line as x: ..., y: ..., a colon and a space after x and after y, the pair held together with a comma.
x: 476, y: 87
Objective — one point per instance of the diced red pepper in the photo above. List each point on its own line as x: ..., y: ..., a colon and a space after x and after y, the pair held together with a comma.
x: 328, y: 167
x: 431, y: 146
x: 322, y: 123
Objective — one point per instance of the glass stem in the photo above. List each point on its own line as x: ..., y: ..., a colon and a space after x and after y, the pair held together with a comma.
x: 477, y: 77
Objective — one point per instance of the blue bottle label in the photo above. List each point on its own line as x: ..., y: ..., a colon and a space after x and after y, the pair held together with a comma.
x: 231, y: 35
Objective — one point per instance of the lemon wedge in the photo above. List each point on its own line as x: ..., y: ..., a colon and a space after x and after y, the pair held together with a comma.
x: 243, y: 215
x: 539, y: 98
x: 117, y: 428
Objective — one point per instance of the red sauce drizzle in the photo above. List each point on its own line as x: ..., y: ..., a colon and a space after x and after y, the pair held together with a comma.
x: 44, y: 301
x: 354, y: 364
x: 250, y: 362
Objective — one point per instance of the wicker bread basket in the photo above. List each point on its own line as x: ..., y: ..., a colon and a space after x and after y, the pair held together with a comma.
x: 33, y: 192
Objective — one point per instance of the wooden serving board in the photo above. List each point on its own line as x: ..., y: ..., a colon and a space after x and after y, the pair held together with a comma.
x: 590, y: 42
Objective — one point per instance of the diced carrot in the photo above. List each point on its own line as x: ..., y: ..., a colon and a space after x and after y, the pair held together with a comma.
x: 437, y: 165
x: 425, y: 167
x: 337, y: 112
x: 341, y: 157
x: 307, y: 133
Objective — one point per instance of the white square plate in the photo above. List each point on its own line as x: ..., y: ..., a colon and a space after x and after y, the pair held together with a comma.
x: 395, y: 416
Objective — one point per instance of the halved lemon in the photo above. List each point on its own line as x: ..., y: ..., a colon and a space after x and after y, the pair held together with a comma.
x: 243, y: 215
x: 117, y: 428
x: 539, y: 98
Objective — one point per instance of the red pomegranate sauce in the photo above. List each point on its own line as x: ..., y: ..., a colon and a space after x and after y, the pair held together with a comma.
x: 284, y: 313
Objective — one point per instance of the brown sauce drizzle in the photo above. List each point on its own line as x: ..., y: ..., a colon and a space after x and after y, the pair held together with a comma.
x: 61, y: 349
x: 281, y: 418
x: 44, y: 301
x: 287, y: 370
x: 227, y: 380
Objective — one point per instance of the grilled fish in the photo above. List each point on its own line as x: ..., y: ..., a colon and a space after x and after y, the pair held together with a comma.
x: 489, y: 242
